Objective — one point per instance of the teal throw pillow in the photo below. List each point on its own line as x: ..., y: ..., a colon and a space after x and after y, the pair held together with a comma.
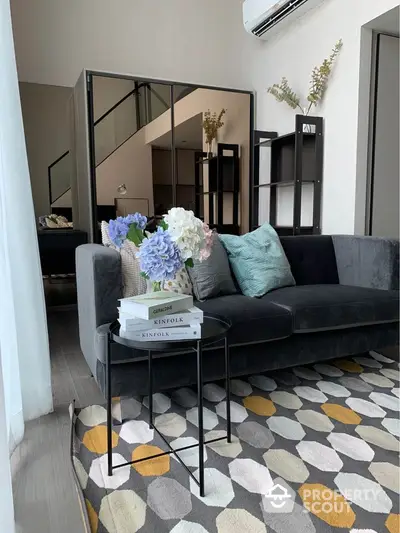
x: 258, y: 261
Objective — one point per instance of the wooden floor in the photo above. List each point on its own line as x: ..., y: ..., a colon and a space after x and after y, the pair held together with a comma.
x: 44, y: 492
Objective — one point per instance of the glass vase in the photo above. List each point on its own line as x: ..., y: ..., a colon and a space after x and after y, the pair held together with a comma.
x: 153, y: 286
x: 210, y: 149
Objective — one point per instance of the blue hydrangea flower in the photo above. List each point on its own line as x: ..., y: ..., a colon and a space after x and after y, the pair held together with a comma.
x: 118, y: 230
x: 159, y: 256
x: 138, y: 219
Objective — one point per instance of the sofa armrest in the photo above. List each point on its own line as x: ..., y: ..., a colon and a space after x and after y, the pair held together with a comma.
x: 99, y: 286
x: 371, y: 262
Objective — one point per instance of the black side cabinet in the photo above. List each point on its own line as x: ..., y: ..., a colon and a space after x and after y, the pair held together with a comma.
x: 222, y: 190
x: 57, y: 249
x: 296, y: 159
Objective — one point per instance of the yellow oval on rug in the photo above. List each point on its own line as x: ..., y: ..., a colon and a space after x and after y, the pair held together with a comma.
x: 95, y: 440
x: 152, y: 467
x: 327, y: 505
x: 259, y: 405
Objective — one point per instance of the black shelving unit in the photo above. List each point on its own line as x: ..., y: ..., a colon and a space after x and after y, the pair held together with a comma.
x: 198, y: 184
x: 296, y: 159
x: 223, y: 180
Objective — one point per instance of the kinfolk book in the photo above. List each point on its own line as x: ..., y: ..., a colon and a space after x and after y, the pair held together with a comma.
x: 156, y: 304
x: 163, y: 334
x: 190, y: 317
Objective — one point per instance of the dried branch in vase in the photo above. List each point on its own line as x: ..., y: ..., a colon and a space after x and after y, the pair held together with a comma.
x: 211, y: 124
x: 318, y: 84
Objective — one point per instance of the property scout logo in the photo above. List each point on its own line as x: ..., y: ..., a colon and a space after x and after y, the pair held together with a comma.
x: 279, y: 500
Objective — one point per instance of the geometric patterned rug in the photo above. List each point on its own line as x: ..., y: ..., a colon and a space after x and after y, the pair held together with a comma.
x: 314, y: 449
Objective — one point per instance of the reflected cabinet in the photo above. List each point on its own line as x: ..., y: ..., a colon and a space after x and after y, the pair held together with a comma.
x: 142, y: 145
x: 217, y: 179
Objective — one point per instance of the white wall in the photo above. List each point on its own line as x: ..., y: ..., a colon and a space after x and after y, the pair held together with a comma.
x: 385, y: 213
x: 182, y: 40
x: 293, y: 55
x: 130, y: 164
x: 44, y: 111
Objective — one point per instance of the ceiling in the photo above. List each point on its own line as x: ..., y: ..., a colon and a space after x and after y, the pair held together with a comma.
x: 188, y: 134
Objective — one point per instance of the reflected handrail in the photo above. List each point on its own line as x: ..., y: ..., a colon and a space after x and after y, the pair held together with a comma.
x: 143, y: 116
x: 51, y: 176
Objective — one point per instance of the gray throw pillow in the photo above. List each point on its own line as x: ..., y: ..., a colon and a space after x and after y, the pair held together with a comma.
x: 213, y: 276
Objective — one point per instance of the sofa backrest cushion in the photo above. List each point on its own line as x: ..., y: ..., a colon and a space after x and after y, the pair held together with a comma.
x: 312, y: 259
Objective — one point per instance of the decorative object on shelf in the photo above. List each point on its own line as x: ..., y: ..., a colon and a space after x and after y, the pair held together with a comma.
x: 211, y: 124
x: 122, y: 189
x: 318, y: 85
x: 296, y: 163
x: 54, y: 222
x: 178, y: 240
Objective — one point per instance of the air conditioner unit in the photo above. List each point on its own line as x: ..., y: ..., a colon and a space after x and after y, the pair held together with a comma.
x: 260, y: 17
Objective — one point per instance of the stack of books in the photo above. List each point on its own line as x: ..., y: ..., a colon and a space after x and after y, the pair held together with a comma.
x: 159, y: 316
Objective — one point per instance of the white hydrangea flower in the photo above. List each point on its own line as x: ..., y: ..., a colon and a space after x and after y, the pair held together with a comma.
x: 186, y: 231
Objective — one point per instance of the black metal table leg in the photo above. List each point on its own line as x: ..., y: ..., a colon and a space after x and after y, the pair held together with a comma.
x: 150, y: 358
x: 109, y: 406
x: 228, y: 392
x: 200, y: 415
x: 210, y: 335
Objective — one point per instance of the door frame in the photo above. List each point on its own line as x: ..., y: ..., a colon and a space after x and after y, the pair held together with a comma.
x: 369, y: 203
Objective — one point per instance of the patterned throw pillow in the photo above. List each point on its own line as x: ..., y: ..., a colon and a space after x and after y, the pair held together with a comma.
x: 181, y: 284
x: 105, y: 237
x: 133, y: 283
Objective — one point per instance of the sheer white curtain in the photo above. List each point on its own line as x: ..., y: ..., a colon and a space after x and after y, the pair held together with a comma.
x: 6, y: 500
x: 25, y: 391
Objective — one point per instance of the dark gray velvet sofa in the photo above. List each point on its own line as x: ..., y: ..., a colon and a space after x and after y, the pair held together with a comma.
x: 346, y: 302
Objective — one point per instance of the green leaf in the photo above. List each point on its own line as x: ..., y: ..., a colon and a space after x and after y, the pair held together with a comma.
x: 163, y: 224
x: 283, y: 93
x: 320, y: 76
x: 144, y: 275
x: 189, y: 263
x: 135, y: 235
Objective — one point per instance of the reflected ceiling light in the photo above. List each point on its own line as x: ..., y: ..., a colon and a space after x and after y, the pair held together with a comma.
x: 121, y: 189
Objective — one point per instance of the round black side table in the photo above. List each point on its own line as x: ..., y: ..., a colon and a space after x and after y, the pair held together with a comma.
x: 214, y: 329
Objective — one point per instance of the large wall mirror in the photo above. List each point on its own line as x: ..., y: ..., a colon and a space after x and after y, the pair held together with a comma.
x: 148, y: 151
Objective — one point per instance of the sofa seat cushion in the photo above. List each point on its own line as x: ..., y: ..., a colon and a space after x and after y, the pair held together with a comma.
x: 253, y: 320
x: 325, y: 307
